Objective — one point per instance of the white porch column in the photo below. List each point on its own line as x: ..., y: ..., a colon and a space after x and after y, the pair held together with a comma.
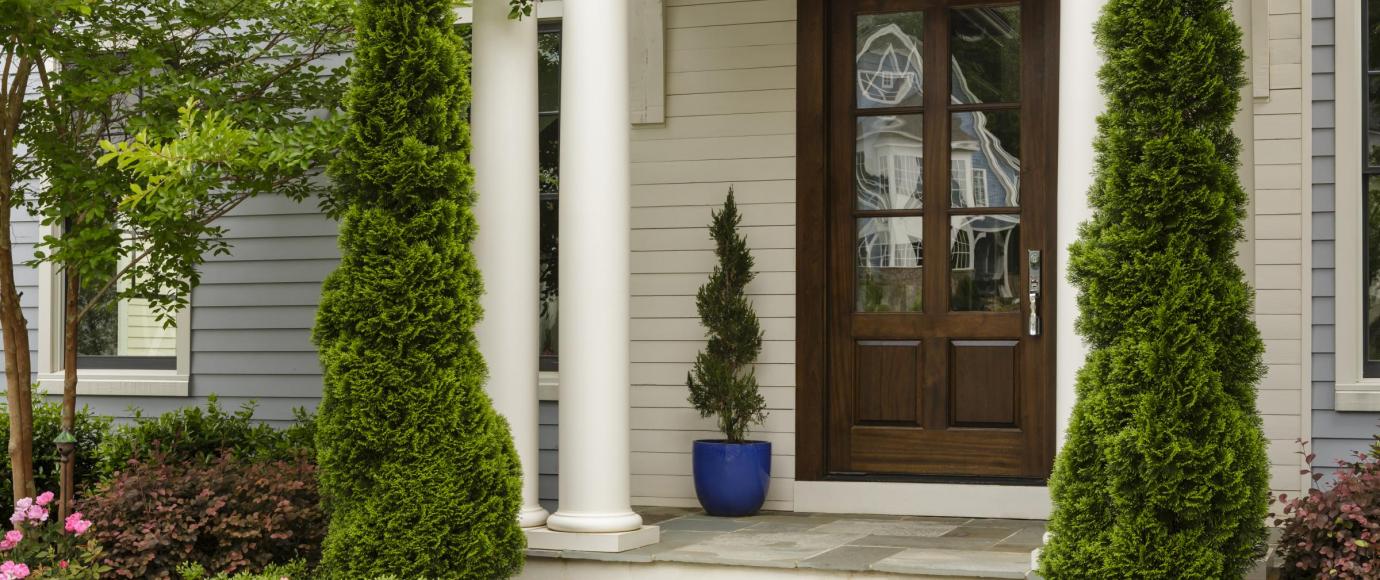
x: 1080, y: 102
x: 594, y: 271
x: 504, y: 125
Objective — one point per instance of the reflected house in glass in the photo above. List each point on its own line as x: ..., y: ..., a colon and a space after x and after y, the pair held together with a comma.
x: 889, y: 175
x: 983, y: 249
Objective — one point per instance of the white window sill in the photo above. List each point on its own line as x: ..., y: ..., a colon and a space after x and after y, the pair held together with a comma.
x: 1358, y: 396
x: 125, y: 383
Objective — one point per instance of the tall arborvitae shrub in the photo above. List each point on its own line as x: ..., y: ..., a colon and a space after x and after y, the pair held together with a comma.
x: 1163, y: 473
x: 722, y: 382
x: 418, y: 472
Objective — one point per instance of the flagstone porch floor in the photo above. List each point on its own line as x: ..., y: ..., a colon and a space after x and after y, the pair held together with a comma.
x: 851, y: 546
x: 911, y: 545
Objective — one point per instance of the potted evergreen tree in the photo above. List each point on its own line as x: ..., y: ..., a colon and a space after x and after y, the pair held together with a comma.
x: 731, y: 474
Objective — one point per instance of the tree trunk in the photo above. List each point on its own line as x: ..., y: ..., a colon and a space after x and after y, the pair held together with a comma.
x: 71, y: 322
x: 17, y: 366
x: 13, y: 327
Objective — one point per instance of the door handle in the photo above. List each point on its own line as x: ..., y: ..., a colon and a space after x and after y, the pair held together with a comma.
x: 1033, y: 324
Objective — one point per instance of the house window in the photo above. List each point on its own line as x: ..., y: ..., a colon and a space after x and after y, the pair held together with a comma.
x: 1370, y: 181
x: 121, y: 334
x: 122, y: 347
x: 980, y: 188
x: 1357, y: 201
x: 958, y: 180
x: 549, y: 88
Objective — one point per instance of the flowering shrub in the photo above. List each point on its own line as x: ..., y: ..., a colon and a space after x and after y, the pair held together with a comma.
x: 39, y: 549
x: 230, y: 516
x: 1333, y: 533
x: 90, y: 431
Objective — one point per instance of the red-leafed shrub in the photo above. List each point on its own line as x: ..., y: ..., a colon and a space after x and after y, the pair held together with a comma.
x: 1332, y: 533
x: 228, y: 516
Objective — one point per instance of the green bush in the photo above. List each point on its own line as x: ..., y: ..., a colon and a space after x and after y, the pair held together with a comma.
x: 295, y: 570
x: 91, y: 431
x: 193, y: 434
x: 418, y: 472
x: 1163, y: 473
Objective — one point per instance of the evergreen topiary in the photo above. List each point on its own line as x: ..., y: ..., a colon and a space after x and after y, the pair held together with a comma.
x: 722, y: 382
x: 418, y: 472
x: 1163, y: 473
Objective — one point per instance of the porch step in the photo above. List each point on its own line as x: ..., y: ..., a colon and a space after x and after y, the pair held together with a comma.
x: 802, y: 545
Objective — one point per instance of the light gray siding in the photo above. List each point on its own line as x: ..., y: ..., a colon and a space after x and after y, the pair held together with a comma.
x: 253, y: 313
x: 251, y: 320
x: 549, y: 485
x: 1335, y: 434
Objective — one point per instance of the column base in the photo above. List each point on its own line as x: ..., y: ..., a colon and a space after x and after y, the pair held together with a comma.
x: 547, y: 539
x: 584, y: 523
x: 532, y: 517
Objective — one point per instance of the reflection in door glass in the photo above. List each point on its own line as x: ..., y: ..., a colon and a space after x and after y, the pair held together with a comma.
x: 985, y: 162
x: 986, y: 61
x: 984, y: 267
x: 889, y: 64
x: 887, y: 162
x: 890, y: 264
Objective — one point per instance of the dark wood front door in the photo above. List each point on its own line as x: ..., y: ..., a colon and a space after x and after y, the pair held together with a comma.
x: 940, y: 200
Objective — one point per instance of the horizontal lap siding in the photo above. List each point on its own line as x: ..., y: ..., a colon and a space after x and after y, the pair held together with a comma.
x: 253, y: 312
x: 1278, y: 243
x: 1336, y: 435
x: 730, y: 121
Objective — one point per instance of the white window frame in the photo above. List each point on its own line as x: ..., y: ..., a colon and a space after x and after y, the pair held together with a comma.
x: 1354, y: 391
x: 112, y: 382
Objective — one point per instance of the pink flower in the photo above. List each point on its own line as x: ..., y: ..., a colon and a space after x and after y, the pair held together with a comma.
x: 62, y: 564
x: 23, y: 504
x: 12, y: 570
x: 37, y: 513
x: 44, y: 498
x: 75, y: 525
x: 11, y: 540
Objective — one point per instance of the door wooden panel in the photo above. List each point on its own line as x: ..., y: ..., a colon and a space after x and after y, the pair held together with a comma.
x: 983, y: 382
x: 939, y: 145
x: 888, y: 382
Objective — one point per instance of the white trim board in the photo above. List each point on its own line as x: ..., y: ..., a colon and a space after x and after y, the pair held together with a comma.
x: 924, y: 499
x: 1354, y: 392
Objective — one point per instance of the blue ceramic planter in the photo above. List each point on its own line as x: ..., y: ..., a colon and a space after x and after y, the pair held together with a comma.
x: 731, y: 479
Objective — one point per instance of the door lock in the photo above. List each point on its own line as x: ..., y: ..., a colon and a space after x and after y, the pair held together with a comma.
x: 1033, y: 326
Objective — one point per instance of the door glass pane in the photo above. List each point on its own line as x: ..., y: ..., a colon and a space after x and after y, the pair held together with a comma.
x: 888, y: 59
x: 984, y: 159
x: 890, y: 264
x: 888, y: 160
x: 986, y: 59
x: 984, y: 263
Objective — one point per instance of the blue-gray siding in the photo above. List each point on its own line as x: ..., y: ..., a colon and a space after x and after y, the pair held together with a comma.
x: 1335, y: 434
x: 252, y: 317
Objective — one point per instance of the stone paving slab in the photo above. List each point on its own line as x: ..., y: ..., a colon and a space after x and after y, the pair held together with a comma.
x: 750, y: 548
x: 969, y: 563
x: 849, y: 558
